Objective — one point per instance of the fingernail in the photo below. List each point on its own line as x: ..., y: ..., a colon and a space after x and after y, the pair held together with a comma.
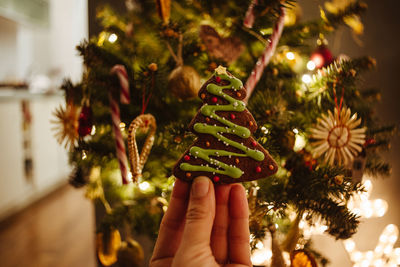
x: 200, y: 186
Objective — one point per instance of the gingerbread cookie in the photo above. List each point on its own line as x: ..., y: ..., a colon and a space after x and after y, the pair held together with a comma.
x: 225, y: 150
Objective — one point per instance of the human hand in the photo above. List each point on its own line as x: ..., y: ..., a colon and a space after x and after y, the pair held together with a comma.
x: 204, y: 227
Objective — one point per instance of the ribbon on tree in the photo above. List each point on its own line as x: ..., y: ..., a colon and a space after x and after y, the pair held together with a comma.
x: 120, y: 71
x: 263, y: 61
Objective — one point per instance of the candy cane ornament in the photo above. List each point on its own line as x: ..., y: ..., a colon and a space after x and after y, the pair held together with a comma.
x: 120, y: 71
x: 249, y: 17
x: 263, y: 61
x: 145, y: 122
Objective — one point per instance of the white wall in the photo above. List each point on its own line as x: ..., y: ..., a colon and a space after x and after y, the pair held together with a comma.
x: 26, y: 48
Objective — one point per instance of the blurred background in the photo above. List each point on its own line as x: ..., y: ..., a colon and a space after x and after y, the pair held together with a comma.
x: 43, y: 222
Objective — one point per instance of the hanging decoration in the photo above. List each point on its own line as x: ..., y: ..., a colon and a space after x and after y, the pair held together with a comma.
x: 85, y: 121
x: 164, y: 9
x: 322, y: 56
x: 302, y: 258
x: 183, y: 81
x: 66, y: 125
x: 130, y: 254
x: 116, y: 119
x: 337, y: 137
x: 107, y: 246
x: 249, y: 17
x: 263, y: 61
x: 146, y: 123
x: 227, y: 49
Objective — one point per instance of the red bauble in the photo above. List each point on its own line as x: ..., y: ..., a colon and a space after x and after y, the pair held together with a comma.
x: 85, y: 121
x: 322, y: 57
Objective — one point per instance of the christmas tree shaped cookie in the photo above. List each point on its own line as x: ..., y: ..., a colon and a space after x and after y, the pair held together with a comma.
x: 225, y: 150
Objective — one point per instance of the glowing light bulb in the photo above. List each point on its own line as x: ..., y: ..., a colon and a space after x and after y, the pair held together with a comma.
x: 380, y: 207
x: 349, y: 245
x: 290, y: 55
x: 310, y: 65
x: 93, y: 131
x: 144, y: 186
x: 378, y: 263
x: 306, y: 78
x: 356, y: 256
x: 295, y: 131
x: 368, y: 185
x: 259, y: 245
x: 112, y: 38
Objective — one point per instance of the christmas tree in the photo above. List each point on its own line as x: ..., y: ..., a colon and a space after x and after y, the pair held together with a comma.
x: 313, y: 116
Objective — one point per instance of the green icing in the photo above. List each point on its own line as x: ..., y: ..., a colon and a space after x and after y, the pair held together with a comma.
x: 217, y: 131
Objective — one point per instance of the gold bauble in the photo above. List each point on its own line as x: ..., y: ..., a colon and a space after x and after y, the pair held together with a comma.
x: 107, y: 246
x: 302, y: 258
x: 184, y: 82
x: 130, y: 254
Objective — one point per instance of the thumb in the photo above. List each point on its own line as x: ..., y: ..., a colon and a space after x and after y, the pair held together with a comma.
x: 200, y: 213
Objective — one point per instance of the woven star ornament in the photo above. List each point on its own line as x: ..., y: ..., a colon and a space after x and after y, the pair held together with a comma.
x: 338, y: 138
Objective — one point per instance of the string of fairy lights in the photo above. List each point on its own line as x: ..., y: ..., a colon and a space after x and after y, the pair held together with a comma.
x: 384, y: 254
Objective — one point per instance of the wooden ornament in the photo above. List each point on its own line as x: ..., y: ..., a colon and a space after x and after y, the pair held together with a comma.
x: 107, y: 246
x: 302, y: 258
x: 145, y: 122
x: 164, y: 9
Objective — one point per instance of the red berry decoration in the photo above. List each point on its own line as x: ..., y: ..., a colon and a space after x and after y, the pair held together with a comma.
x: 258, y: 169
x: 233, y: 116
x: 322, y: 57
x: 186, y: 157
x: 85, y: 121
x: 218, y: 79
x: 254, y: 143
x: 369, y: 141
x: 216, y: 179
x: 214, y: 99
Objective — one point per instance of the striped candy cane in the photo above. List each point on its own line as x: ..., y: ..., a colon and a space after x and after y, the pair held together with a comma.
x: 120, y: 71
x: 249, y: 18
x: 263, y: 61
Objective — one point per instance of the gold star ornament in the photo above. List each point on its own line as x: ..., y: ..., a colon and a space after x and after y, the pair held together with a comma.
x: 337, y: 137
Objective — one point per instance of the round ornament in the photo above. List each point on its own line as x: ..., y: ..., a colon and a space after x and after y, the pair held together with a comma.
x: 322, y: 56
x: 130, y: 254
x: 85, y: 121
x: 107, y: 246
x: 184, y: 82
x: 337, y: 137
x: 302, y: 258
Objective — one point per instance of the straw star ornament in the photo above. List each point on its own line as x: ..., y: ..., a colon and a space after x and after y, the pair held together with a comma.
x: 337, y: 137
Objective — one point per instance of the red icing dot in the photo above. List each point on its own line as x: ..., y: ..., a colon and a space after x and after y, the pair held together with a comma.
x: 258, y: 169
x: 214, y: 99
x: 186, y: 157
x: 254, y: 143
x: 216, y: 179
x: 233, y: 116
x: 218, y: 79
